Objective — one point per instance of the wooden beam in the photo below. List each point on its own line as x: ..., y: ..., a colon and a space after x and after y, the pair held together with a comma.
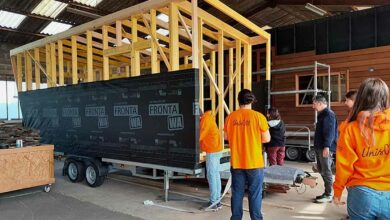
x: 221, y: 74
x: 195, y: 39
x: 142, y: 45
x: 96, y: 24
x: 118, y: 50
x: 200, y: 57
x: 19, y: 73
x: 118, y: 27
x: 215, y: 22
x: 238, y: 70
x: 75, y: 75
x: 53, y: 60
x: 173, y: 37
x: 37, y: 69
x: 28, y: 71
x: 106, y: 64
x: 153, y: 28
x: 89, y: 77
x: 60, y: 63
x: 268, y: 61
x: 230, y: 87
x: 48, y: 65
x: 239, y: 18
x: 135, y: 56
x: 247, y: 66
x: 212, y: 89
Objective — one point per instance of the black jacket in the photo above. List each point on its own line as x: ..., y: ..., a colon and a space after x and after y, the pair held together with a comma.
x: 326, y: 130
x: 277, y: 135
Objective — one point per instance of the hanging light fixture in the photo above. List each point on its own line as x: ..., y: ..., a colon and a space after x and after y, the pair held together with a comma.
x: 315, y: 9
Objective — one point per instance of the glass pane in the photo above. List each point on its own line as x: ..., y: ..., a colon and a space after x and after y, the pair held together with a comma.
x: 13, y: 105
x: 305, y: 82
x: 3, y: 100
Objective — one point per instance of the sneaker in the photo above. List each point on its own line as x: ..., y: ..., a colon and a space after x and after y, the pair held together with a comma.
x: 214, y: 208
x: 324, y: 199
x: 320, y: 196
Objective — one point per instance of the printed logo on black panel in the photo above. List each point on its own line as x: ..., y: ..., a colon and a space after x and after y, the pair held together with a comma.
x: 175, y: 122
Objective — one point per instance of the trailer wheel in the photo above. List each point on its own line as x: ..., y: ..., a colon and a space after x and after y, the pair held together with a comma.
x: 75, y: 171
x: 92, y: 176
x: 293, y: 153
x: 310, y: 155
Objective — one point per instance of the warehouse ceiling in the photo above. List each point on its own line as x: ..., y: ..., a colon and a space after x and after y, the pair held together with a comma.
x: 24, y: 21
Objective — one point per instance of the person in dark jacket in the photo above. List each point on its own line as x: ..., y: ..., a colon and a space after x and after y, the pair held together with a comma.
x: 325, y: 139
x: 275, y: 148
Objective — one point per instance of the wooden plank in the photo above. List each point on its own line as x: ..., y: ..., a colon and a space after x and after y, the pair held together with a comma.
x: 220, y: 84
x: 60, y: 63
x: 135, y: 56
x: 195, y: 40
x: 153, y: 28
x: 247, y: 66
x: 118, y: 27
x: 200, y: 57
x: 53, y: 60
x: 96, y: 24
x: 37, y: 69
x: 75, y: 75
x: 48, y: 66
x: 173, y: 37
x: 89, y: 76
x: 231, y: 89
x: 28, y: 70
x: 106, y: 65
x: 238, y: 70
x: 212, y: 89
x: 142, y: 45
x: 126, y: 48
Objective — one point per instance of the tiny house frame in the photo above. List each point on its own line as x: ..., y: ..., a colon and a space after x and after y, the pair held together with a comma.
x: 97, y: 50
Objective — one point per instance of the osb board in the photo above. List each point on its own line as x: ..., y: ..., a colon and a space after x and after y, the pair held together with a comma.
x: 26, y: 167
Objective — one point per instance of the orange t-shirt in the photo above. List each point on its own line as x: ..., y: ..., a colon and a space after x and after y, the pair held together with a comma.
x: 359, y: 163
x: 243, y: 128
x: 210, y: 139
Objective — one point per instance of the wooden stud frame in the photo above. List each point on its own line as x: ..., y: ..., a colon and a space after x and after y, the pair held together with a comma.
x: 100, y: 45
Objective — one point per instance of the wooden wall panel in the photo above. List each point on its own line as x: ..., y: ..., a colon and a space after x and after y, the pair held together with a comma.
x: 357, y: 62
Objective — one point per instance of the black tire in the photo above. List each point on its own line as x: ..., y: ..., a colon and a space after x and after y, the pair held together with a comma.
x: 310, y: 155
x: 293, y: 153
x: 92, y: 176
x: 75, y: 171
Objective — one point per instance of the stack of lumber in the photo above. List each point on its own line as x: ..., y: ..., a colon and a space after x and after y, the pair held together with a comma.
x: 10, y: 132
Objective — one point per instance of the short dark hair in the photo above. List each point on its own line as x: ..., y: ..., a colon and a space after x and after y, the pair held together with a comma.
x: 320, y: 98
x: 273, y: 114
x: 351, y: 95
x: 246, y: 97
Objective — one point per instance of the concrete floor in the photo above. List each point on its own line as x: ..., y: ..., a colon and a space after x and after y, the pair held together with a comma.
x: 122, y: 197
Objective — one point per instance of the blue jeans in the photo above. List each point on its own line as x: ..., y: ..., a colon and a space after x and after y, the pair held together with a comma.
x: 324, y: 166
x: 213, y: 176
x: 254, y: 178
x: 365, y: 203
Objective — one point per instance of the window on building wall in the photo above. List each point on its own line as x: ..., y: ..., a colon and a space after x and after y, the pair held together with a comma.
x: 338, y: 87
x: 3, y: 100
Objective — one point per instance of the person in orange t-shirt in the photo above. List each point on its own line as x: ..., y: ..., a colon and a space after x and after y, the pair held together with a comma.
x: 363, y: 154
x: 246, y: 130
x: 211, y: 143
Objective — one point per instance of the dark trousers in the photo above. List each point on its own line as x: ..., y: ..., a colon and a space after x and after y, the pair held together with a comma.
x: 254, y: 178
x: 276, y: 155
x: 324, y: 166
